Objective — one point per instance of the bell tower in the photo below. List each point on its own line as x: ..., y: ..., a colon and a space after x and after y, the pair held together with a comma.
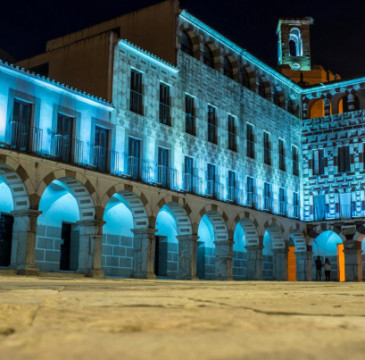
x: 294, y: 43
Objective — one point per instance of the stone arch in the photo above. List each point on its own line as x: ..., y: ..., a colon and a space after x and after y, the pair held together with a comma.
x: 264, y: 87
x: 16, y: 184
x: 81, y: 188
x: 194, y: 38
x: 247, y: 77
x: 298, y: 239
x: 278, y: 96
x: 233, y: 64
x: 210, y: 209
x: 315, y: 108
x: 317, y: 230
x: 136, y: 201
x: 215, y: 61
x: 277, y: 237
x: 180, y: 210
x: 249, y: 225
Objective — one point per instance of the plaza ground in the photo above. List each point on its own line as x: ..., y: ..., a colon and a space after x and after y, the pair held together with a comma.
x: 79, y: 318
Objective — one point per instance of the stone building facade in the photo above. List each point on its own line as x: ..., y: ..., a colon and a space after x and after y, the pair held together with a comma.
x: 198, y: 168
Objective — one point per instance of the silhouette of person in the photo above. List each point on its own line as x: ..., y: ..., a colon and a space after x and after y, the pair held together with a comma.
x: 319, y: 266
x: 327, y: 269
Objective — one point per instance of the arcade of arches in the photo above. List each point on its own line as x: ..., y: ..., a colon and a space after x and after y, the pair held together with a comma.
x: 65, y: 223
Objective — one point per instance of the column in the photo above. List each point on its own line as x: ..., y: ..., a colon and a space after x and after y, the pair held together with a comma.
x: 24, y: 241
x: 280, y: 264
x: 223, y: 260
x: 187, y: 256
x: 144, y: 253
x: 353, y: 261
x: 327, y: 107
x: 309, y: 263
x: 254, y: 262
x: 96, y: 240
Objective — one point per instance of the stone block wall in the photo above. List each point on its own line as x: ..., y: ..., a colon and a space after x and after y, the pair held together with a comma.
x: 267, y: 267
x: 117, y: 255
x: 239, y: 265
x: 48, y: 245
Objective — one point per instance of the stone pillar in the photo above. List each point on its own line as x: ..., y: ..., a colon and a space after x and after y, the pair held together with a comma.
x: 24, y: 241
x: 309, y: 263
x: 351, y: 102
x: 223, y: 260
x: 144, y: 253
x: 327, y: 107
x: 96, y: 243
x: 187, y: 257
x: 89, y: 239
x: 301, y: 264
x: 353, y: 261
x: 280, y: 264
x: 254, y: 262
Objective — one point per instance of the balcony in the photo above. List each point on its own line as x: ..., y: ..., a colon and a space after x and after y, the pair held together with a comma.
x: 166, y: 177
x: 105, y: 160
x: 282, y: 208
x: 24, y: 139
x: 214, y: 189
x: 251, y: 200
x: 68, y: 150
x: 191, y: 183
x: 233, y: 194
x: 267, y: 203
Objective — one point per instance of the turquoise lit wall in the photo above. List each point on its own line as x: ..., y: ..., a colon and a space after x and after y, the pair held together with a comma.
x: 6, y: 198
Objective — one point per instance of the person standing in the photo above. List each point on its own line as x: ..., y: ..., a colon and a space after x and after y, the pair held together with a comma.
x: 319, y: 266
x: 327, y: 269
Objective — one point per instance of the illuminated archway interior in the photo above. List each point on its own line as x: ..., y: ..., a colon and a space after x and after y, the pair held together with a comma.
x: 239, y: 261
x: 6, y: 223
x: 267, y: 257
x: 117, y: 244
x: 57, y: 245
x: 167, y: 246
x: 329, y: 245
x: 206, y: 250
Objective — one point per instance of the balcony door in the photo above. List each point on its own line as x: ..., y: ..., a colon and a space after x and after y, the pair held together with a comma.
x: 101, y: 149
x: 134, y: 156
x: 64, y: 138
x: 163, y: 167
x: 20, y: 125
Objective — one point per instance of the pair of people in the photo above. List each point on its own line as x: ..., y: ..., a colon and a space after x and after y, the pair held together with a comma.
x: 327, y: 269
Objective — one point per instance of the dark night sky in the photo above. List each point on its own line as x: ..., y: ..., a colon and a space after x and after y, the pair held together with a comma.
x: 338, y: 34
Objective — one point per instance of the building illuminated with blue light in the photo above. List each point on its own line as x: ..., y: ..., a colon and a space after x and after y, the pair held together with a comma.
x: 203, y: 163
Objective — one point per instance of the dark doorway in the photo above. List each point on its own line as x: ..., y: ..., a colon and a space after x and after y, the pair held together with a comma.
x: 161, y: 256
x: 65, y: 246
x: 6, y: 237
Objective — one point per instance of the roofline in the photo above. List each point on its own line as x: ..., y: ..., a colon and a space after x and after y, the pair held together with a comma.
x: 331, y: 86
x: 54, y: 85
x: 238, y: 50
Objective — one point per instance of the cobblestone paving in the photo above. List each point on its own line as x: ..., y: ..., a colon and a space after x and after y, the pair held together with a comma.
x: 77, y: 318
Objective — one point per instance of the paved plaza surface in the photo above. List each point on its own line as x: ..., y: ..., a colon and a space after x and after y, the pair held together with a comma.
x: 80, y: 318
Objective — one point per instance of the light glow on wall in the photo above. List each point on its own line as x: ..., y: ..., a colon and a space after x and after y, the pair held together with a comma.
x: 206, y: 232
x: 6, y: 198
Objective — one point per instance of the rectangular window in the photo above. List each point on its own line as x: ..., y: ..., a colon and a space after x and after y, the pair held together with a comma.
x: 296, y: 205
x: 189, y: 115
x: 165, y: 104
x: 211, y: 180
x: 136, y: 92
x: 232, y: 134
x: 267, y: 148
x: 267, y: 196
x: 295, y: 158
x: 282, y: 204
x: 212, y: 125
x: 134, y: 158
x: 345, y: 205
x: 63, y: 138
x: 318, y: 162
x: 188, y: 174
x: 343, y: 159
x: 101, y: 149
x: 250, y: 190
x: 21, y: 125
x: 232, y: 196
x: 281, y: 155
x: 250, y: 141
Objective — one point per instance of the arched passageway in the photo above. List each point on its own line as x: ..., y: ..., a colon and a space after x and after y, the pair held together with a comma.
x: 297, y: 257
x: 174, y: 246
x: 64, y: 227
x: 213, y: 248
x: 245, y: 249
x: 329, y: 245
x: 274, y: 255
x: 123, y: 213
